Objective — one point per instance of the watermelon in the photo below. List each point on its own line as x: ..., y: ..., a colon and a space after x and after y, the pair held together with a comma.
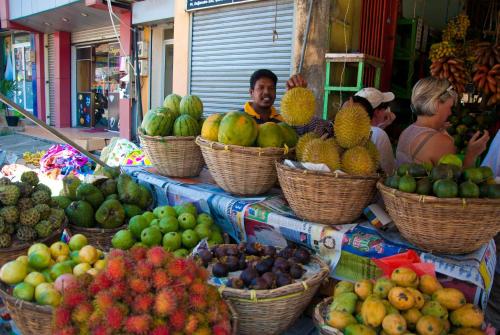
x: 192, y: 105
x: 270, y: 135
x: 158, y: 122
x: 210, y: 128
x: 186, y: 125
x: 172, y: 102
x: 238, y: 128
x: 289, y: 134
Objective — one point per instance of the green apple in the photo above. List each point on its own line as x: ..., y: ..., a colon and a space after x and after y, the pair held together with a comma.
x: 203, y: 230
x: 155, y: 222
x: 123, y: 239
x: 168, y: 224
x: 77, y: 242
x: 163, y: 211
x: 186, y: 208
x: 172, y: 241
x: 187, y: 221
x: 204, y: 218
x: 181, y: 253
x: 151, y: 236
x: 137, y: 224
x: 149, y: 216
x: 190, y: 238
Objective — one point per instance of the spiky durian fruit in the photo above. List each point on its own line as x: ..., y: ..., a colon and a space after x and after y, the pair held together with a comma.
x: 352, y: 126
x: 374, y: 153
x: 297, y: 106
x: 320, y: 151
x: 333, y: 141
x: 302, y: 142
x: 357, y: 161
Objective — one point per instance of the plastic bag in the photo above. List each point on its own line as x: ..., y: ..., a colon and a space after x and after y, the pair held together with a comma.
x: 409, y: 259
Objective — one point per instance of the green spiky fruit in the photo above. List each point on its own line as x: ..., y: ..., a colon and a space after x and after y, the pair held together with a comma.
x: 5, y: 240
x: 319, y: 151
x: 24, y: 204
x: 302, y: 142
x: 91, y: 194
x: 10, y: 214
x: 60, y: 201
x: 44, y: 211
x: 3, y: 225
x: 41, y: 197
x: 29, y: 217
x: 298, y: 106
x: 5, y: 181
x: 352, y: 126
x: 10, y: 229
x: 357, y: 161
x: 374, y: 153
x: 43, y: 187
x: 43, y: 229
x: 26, y: 234
x: 25, y: 188
x: 30, y: 177
x: 9, y: 194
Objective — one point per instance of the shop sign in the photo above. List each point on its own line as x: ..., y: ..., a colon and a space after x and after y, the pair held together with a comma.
x: 204, y: 4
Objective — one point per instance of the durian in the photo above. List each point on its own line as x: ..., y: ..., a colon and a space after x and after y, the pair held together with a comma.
x: 333, y: 141
x: 357, y: 161
x: 302, y: 142
x: 320, y: 151
x: 297, y: 106
x: 374, y: 153
x: 352, y: 126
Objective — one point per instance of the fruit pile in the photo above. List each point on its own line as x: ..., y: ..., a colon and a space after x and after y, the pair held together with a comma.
x: 464, y: 123
x: 27, y: 211
x: 441, y: 50
x: 33, y: 158
x: 178, y: 229
x: 400, y: 305
x: 107, y: 203
x: 42, y: 275
x: 445, y: 180
x: 456, y: 28
x: 177, y: 117
x: 350, y: 151
x: 450, y: 68
x: 143, y: 291
x: 487, y: 79
x: 262, y: 267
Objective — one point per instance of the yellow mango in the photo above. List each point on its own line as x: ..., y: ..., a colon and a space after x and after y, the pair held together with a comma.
x: 373, y: 312
x: 419, y: 298
x: 429, y: 325
x: 339, y: 319
x: 434, y: 308
x: 382, y: 287
x: 468, y: 316
x: 468, y: 331
x: 450, y: 298
x: 359, y: 304
x: 394, y: 324
x: 412, y: 316
x: 359, y: 330
x: 429, y: 284
x: 390, y: 309
x: 342, y: 287
x: 405, y: 277
x: 401, y: 298
x: 363, y: 288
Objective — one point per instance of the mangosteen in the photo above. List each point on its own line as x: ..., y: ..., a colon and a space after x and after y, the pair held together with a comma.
x: 283, y: 280
x: 302, y: 255
x: 220, y: 251
x: 205, y: 256
x: 219, y: 270
x: 277, y: 271
x: 242, y: 247
x: 232, y: 263
x: 248, y: 275
x: 254, y: 249
x: 296, y: 271
x: 269, y: 250
x: 270, y: 277
x: 235, y: 283
x: 264, y: 265
x: 242, y: 263
x: 259, y: 283
x: 232, y: 250
x: 282, y: 263
x: 293, y: 260
x: 287, y: 252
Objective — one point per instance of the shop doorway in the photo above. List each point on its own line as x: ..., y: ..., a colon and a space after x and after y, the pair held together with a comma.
x: 23, y: 61
x: 168, y: 61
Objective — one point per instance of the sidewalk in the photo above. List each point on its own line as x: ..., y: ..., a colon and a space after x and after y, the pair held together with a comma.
x: 17, y: 143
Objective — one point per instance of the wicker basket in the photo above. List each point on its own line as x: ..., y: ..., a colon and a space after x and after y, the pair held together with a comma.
x: 268, y: 312
x: 174, y: 156
x: 453, y: 226
x: 30, y: 318
x: 21, y: 248
x: 326, y: 197
x: 241, y: 170
x: 98, y: 237
x: 319, y: 318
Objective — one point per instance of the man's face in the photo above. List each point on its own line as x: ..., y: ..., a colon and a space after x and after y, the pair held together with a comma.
x: 264, y: 93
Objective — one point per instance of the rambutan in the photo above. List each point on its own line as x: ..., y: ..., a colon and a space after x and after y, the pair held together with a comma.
x: 62, y: 317
x: 178, y: 319
x: 187, y: 279
x: 177, y: 267
x: 116, y: 253
x: 180, y: 292
x: 115, y: 269
x: 103, y: 300
x: 191, y: 324
x: 203, y: 331
x: 138, y: 324
x: 95, y: 318
x: 165, y: 302
x: 144, y: 269
x: 212, y: 293
x: 138, y: 253
x: 161, y: 330
x: 114, y: 317
x: 100, y: 330
x: 197, y: 302
x: 139, y: 285
x: 156, y: 256
x: 73, y: 297
x: 161, y: 279
x: 142, y: 303
x: 202, y: 273
x: 222, y: 328
x: 100, y: 282
x: 198, y: 287
x: 82, y: 312
x: 119, y: 289
x: 66, y: 331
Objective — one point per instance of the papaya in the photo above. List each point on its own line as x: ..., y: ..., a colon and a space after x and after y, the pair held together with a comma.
x: 404, y: 277
x: 238, y: 128
x: 429, y: 325
x: 429, y: 284
x: 270, y: 136
x: 345, y: 302
x: 363, y: 288
x: 210, y: 128
x: 412, y: 316
x: 382, y: 287
x: 394, y: 324
x: 468, y: 316
x: 289, y: 134
x: 342, y: 287
x: 390, y: 309
x: 419, y: 298
x: 340, y: 320
x: 359, y: 330
x: 450, y: 298
x: 468, y: 331
x: 373, y: 311
x: 434, y: 308
x: 401, y: 298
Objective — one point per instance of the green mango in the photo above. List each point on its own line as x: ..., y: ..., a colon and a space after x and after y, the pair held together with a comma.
x: 345, y: 302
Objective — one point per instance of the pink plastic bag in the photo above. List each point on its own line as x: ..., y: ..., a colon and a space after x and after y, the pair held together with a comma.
x: 409, y: 259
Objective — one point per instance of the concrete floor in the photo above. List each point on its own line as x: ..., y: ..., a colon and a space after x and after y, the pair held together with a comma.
x: 18, y: 143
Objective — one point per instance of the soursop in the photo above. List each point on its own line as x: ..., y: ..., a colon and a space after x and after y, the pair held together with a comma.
x: 10, y: 229
x: 10, y: 214
x: 41, y: 197
x: 44, y: 211
x: 5, y: 240
x: 30, y: 177
x: 131, y: 210
x: 108, y: 187
x: 128, y: 190
x: 9, y: 194
x: 26, y: 234
x: 111, y: 214
x: 90, y: 194
x: 80, y: 213
x: 25, y: 188
x: 29, y: 217
x: 43, y: 187
x: 24, y: 204
x: 3, y: 225
x: 145, y: 198
x: 43, y: 229
x: 70, y: 184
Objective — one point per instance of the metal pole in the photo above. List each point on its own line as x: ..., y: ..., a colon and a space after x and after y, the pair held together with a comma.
x: 51, y: 130
x: 306, y: 33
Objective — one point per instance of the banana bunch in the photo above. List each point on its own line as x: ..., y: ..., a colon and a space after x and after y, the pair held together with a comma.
x: 452, y: 69
x: 487, y: 54
x: 487, y: 80
x: 456, y: 29
x: 443, y: 49
x: 33, y: 158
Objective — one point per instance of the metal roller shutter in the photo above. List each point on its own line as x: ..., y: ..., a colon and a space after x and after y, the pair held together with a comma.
x: 94, y: 35
x: 230, y: 43
x: 52, y: 95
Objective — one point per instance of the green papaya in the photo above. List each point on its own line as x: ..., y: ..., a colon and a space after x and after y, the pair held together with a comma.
x: 80, y: 213
x: 132, y: 210
x: 61, y: 201
x: 110, y: 214
x: 90, y: 193
x: 108, y: 187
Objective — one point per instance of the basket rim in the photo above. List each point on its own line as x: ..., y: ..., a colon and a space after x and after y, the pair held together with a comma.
x: 392, y: 192
x: 26, y: 245
x: 164, y: 138
x: 281, y: 166
x: 319, y: 320
x: 97, y: 229
x: 22, y: 303
x: 257, y: 151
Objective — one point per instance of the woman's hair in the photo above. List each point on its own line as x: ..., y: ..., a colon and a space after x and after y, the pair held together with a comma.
x: 429, y: 90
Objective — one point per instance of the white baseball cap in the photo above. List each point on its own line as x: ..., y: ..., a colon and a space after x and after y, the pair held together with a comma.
x: 374, y: 96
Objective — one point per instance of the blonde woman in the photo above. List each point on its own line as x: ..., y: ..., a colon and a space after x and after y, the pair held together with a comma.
x: 426, y: 140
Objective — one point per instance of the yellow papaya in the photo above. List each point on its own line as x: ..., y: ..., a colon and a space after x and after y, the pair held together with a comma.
x: 345, y: 302
x: 419, y: 297
x: 468, y: 316
x: 434, y: 308
x: 405, y: 277
x: 394, y: 324
x: 429, y: 284
x: 429, y: 325
x: 401, y: 298
x: 339, y: 320
x: 390, y: 309
x: 468, y: 331
x: 412, y: 316
x: 373, y: 312
x: 363, y: 288
x: 342, y: 287
x: 359, y: 330
x: 450, y: 298
x: 382, y: 287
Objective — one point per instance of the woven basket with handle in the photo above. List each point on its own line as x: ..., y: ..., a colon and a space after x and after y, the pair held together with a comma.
x: 326, y: 197
x: 174, y: 156
x: 241, y: 170
x: 320, y: 312
x: 451, y: 225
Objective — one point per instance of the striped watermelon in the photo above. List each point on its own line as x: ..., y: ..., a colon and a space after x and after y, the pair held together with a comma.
x: 186, y: 125
x: 172, y: 102
x: 192, y: 105
x: 158, y: 122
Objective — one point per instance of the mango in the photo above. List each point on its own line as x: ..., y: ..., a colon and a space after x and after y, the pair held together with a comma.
x: 342, y: 287
x: 373, y: 311
x: 363, y: 288
x: 359, y: 330
x: 468, y: 316
x: 434, y: 308
x: 394, y: 324
x: 429, y: 284
x: 390, y: 309
x: 419, y: 298
x: 359, y: 304
x: 429, y: 325
x: 401, y: 298
x: 450, y: 298
x: 412, y: 316
x: 345, y: 302
x: 382, y: 287
x: 468, y: 331
x: 447, y: 326
x: 405, y: 277
x: 340, y: 320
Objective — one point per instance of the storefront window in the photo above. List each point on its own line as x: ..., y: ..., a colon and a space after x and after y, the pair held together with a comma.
x: 22, y: 59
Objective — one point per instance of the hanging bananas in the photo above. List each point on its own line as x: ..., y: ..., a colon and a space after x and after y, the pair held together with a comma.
x: 487, y: 81
x: 452, y: 69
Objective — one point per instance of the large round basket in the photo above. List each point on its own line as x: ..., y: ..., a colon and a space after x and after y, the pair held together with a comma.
x: 453, y: 225
x: 174, y: 156
x: 98, y: 237
x: 241, y: 170
x: 326, y: 197
x: 320, y: 311
x: 19, y: 248
x: 30, y: 318
x: 269, y: 312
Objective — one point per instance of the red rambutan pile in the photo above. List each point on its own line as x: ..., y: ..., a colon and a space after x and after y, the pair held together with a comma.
x: 143, y: 303
x: 165, y: 302
x: 138, y: 324
x: 116, y: 268
x: 144, y: 269
x: 156, y: 256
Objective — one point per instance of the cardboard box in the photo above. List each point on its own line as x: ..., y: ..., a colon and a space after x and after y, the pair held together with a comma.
x: 91, y: 144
